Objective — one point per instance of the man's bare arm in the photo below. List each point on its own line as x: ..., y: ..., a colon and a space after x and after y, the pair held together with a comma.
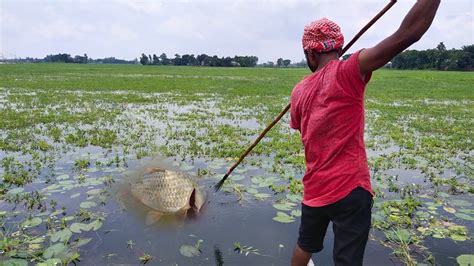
x: 414, y: 25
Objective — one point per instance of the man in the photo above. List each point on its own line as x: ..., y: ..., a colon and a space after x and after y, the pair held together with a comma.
x: 327, y: 107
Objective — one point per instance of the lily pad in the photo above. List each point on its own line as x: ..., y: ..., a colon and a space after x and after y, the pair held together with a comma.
x: 92, y: 170
x: 54, y: 250
x: 237, y: 177
x: 37, y: 240
x: 62, y: 177
x: 50, y: 262
x: 92, y: 182
x: 94, y: 191
x: 283, y: 206
x: 79, y: 227
x: 68, y: 218
x: 443, y: 194
x: 296, y: 213
x: 460, y: 203
x: 261, y: 196
x: 449, y: 209
x: 32, y: 223
x: 252, y: 190
x: 95, y: 225
x: 189, y: 251
x: 458, y: 237
x: 87, y: 204
x: 61, y: 236
x: 52, y: 187
x: 215, y: 166
x: 466, y: 211
x: 15, y: 262
x: 257, y: 179
x: 75, y: 195
x: 15, y: 190
x: 465, y: 260
x: 464, y: 216
x: 67, y: 183
x: 83, y: 241
x: 56, y: 212
x: 294, y: 198
x: 283, y: 218
x: 240, y: 170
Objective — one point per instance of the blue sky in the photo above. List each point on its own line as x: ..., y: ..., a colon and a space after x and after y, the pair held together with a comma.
x: 268, y: 29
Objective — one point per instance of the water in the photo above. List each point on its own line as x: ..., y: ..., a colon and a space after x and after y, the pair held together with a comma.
x: 224, y: 219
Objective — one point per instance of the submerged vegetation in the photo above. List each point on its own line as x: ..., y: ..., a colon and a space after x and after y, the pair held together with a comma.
x: 69, y: 133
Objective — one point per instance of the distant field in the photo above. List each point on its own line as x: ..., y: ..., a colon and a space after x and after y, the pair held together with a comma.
x: 70, y: 132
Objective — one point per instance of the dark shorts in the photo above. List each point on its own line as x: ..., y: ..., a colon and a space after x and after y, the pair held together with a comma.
x: 351, y: 218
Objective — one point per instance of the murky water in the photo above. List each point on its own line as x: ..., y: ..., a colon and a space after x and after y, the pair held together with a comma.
x: 226, y: 218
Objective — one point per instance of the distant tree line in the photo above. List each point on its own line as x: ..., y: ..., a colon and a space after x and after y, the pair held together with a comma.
x: 199, y: 60
x: 439, y: 58
x: 67, y: 58
x: 280, y: 62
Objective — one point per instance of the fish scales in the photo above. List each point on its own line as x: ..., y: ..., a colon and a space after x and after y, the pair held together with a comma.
x: 164, y: 190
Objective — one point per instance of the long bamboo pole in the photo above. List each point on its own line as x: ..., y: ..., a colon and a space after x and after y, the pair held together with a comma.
x: 283, y: 112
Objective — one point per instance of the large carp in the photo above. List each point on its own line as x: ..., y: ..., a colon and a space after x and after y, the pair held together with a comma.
x: 167, y: 192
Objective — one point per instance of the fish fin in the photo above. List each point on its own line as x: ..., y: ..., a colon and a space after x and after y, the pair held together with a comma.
x: 152, y: 217
x: 181, y: 214
x: 199, y: 200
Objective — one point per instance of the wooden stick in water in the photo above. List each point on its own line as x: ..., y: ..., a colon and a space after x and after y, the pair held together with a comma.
x: 282, y: 113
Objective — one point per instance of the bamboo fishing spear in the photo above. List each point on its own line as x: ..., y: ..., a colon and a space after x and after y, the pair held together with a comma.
x: 282, y: 113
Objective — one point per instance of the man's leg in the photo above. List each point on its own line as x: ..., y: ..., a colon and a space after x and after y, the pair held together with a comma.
x: 300, y: 257
x: 314, y: 223
x: 351, y: 226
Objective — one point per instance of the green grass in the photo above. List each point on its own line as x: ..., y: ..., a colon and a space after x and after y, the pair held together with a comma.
x: 417, y: 120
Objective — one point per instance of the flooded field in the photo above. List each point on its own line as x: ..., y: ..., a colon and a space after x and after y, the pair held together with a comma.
x: 72, y: 136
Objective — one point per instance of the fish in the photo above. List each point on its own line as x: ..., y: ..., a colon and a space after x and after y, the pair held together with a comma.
x: 167, y: 192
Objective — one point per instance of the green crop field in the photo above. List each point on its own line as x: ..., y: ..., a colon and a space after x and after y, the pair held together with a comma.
x: 70, y: 134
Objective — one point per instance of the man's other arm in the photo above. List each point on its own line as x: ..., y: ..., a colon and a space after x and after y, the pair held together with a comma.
x: 414, y: 25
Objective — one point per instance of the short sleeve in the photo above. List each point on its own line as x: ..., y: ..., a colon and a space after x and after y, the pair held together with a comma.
x: 350, y: 72
x: 295, y: 115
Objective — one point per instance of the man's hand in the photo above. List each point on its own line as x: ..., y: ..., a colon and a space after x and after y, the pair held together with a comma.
x: 414, y: 25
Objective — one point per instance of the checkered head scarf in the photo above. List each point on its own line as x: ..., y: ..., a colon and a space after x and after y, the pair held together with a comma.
x: 322, y: 35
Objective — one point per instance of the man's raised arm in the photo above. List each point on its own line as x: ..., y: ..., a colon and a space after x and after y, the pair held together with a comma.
x: 414, y: 25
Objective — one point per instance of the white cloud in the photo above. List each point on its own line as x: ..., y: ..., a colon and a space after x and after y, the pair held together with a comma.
x: 146, y: 7
x: 268, y: 29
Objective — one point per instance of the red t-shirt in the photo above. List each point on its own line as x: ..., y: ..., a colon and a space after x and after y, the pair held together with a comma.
x: 327, y: 107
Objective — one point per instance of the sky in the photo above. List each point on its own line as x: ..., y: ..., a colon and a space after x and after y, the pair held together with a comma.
x: 268, y: 29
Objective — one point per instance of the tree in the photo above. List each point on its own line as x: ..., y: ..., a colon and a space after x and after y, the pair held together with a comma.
x: 246, y: 61
x: 286, y: 62
x: 188, y: 60
x: 268, y: 64
x: 302, y: 63
x: 442, y: 60
x: 156, y: 60
x: 164, y: 59
x: 466, y: 57
x: 144, y: 59
x: 279, y: 62
x: 80, y: 59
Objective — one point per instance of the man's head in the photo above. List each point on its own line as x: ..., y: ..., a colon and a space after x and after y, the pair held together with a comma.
x: 319, y: 37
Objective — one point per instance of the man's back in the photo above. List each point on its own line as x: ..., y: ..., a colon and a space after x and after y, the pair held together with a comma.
x: 328, y: 109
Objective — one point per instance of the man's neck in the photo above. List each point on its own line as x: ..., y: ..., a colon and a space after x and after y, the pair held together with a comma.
x: 326, y: 58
